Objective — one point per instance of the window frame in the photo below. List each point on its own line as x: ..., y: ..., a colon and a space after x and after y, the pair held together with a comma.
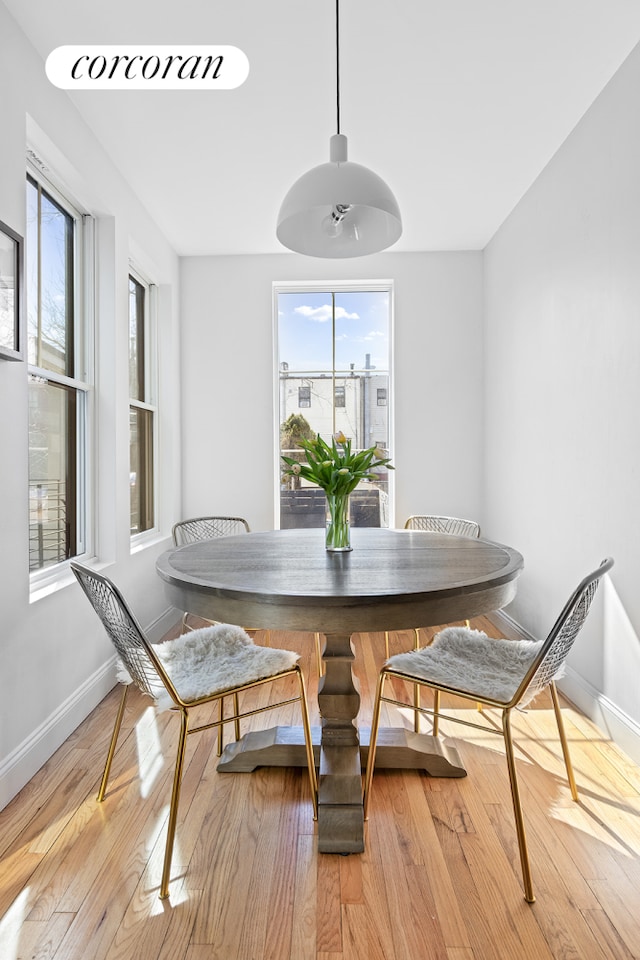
x: 330, y: 287
x: 82, y: 383
x: 150, y: 403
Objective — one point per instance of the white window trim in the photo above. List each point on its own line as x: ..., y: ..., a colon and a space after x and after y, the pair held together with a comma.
x: 139, y: 541
x: 46, y: 581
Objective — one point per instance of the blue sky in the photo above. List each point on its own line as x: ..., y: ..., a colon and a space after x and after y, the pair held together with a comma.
x: 305, y: 330
x: 55, y: 223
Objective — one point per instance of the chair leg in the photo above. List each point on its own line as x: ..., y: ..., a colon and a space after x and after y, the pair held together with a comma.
x: 416, y: 686
x: 386, y: 644
x: 563, y: 740
x: 416, y: 706
x: 319, y: 663
x: 173, y: 809
x: 373, y: 742
x: 112, y: 744
x: 220, y: 745
x: 517, y: 808
x: 311, y: 763
x: 436, y: 712
x: 236, y: 708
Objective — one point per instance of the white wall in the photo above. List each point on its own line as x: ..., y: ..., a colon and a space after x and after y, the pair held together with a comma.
x: 56, y: 662
x: 562, y: 348
x: 228, y: 376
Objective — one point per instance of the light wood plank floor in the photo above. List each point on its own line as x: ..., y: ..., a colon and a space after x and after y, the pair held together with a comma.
x: 440, y: 877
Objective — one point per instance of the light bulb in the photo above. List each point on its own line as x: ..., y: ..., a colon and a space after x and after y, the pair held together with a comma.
x: 332, y: 224
x: 331, y: 227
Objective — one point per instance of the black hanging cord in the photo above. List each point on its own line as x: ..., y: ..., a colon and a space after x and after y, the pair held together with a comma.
x: 338, y: 64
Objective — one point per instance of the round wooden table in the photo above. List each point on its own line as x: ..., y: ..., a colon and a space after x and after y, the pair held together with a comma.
x: 391, y: 580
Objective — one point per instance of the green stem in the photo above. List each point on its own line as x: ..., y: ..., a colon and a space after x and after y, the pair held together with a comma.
x: 338, y: 536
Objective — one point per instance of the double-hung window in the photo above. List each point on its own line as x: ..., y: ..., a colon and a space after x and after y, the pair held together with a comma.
x: 142, y: 409
x: 333, y: 376
x: 59, y: 319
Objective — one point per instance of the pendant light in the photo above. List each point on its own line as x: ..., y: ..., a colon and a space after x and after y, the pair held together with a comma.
x: 339, y: 209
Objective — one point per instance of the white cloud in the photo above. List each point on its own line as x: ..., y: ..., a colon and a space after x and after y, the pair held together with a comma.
x: 323, y: 314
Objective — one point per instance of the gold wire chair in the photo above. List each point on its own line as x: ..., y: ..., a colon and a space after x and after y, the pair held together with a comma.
x: 455, y: 526
x: 205, y: 528
x: 208, y: 528
x: 151, y: 668
x: 452, y: 525
x: 523, y: 670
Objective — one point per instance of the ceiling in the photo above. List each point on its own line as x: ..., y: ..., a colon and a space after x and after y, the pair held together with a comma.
x: 457, y: 104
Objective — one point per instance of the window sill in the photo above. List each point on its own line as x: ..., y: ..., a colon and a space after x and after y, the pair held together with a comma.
x: 60, y: 580
x: 141, y: 541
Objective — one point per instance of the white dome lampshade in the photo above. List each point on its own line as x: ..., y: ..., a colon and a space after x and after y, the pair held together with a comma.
x: 339, y: 209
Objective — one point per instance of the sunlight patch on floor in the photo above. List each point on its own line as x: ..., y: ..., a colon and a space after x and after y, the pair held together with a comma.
x: 150, y: 757
x: 156, y: 842
x: 11, y: 925
x: 575, y: 817
x: 178, y: 894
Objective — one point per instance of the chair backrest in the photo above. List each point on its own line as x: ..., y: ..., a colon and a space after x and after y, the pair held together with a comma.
x: 206, y: 528
x: 453, y: 525
x: 556, y: 647
x: 124, y: 631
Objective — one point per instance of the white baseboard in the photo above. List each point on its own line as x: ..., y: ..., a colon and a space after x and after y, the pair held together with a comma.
x: 509, y: 627
x: 167, y: 619
x: 614, y: 723
x: 24, y: 762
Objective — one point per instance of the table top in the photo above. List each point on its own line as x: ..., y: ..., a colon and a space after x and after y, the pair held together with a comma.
x: 392, y: 579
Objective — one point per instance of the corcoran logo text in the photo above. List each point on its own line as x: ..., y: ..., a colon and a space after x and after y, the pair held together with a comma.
x: 111, y: 67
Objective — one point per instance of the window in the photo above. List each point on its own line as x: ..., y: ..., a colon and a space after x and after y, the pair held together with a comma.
x: 58, y: 333
x: 333, y: 343
x: 304, y: 396
x: 142, y: 412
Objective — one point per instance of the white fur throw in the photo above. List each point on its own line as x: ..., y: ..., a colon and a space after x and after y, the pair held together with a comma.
x: 470, y: 660
x: 211, y: 660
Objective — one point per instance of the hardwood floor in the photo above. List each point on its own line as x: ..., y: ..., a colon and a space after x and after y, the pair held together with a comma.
x: 440, y: 877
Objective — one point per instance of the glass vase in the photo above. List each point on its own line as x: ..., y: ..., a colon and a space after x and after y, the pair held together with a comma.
x: 338, y: 532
